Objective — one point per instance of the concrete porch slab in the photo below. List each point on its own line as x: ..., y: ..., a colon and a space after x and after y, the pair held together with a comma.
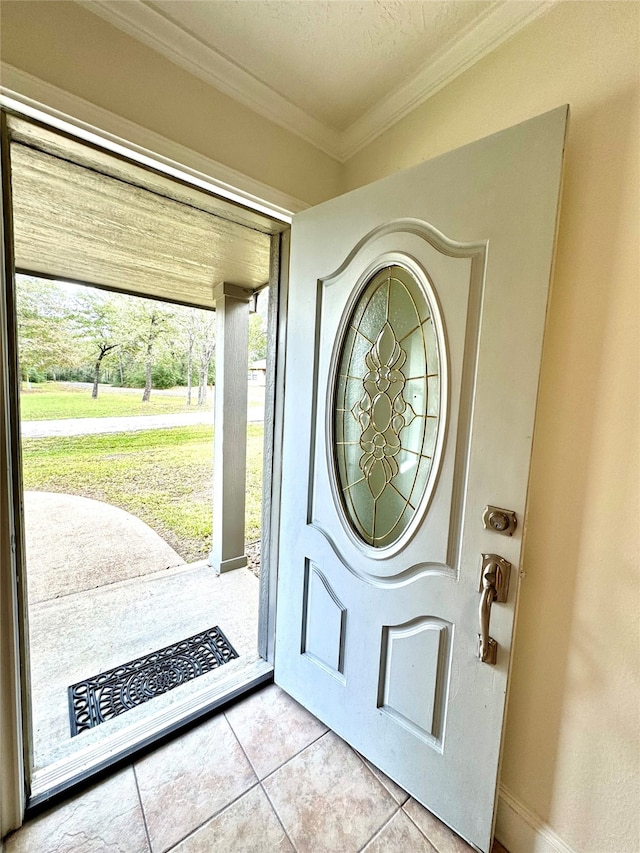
x: 75, y: 543
x: 90, y: 628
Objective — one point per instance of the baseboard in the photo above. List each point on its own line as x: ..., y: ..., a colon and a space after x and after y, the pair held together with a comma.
x: 522, y: 831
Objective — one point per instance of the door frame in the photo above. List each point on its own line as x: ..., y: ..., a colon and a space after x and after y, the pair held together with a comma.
x: 12, y: 711
x: 15, y: 796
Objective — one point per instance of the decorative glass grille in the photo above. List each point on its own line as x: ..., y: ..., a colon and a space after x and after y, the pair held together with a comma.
x: 386, y: 406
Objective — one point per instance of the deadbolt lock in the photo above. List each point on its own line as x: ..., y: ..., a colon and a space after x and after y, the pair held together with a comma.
x: 499, y: 520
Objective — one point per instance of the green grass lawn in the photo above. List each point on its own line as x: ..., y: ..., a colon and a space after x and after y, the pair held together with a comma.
x: 163, y: 477
x: 54, y: 400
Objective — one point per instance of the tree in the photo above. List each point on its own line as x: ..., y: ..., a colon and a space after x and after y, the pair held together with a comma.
x: 148, y: 329
x: 190, y: 342
x: 154, y: 328
x: 197, y: 336
x: 45, y: 339
x: 84, y: 331
x: 257, y: 338
x: 188, y: 320
x: 97, y: 324
x: 205, y: 343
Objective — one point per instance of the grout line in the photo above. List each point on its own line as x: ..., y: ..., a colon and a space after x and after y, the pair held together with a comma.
x: 244, y: 751
x: 430, y: 840
x: 364, y: 761
x: 273, y: 808
x: 379, y: 780
x: 225, y: 807
x: 280, y: 766
x: 144, y: 817
x: 295, y: 755
x: 383, y: 826
x: 279, y: 819
x: 424, y: 835
x: 212, y: 817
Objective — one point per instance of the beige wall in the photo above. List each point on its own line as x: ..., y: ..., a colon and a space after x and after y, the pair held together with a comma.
x: 75, y: 50
x: 570, y: 751
x: 571, y: 744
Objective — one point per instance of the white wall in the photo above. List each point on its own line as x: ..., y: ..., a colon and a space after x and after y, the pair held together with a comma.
x: 571, y: 752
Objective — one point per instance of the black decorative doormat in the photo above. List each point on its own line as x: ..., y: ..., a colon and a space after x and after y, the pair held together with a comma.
x: 103, y: 697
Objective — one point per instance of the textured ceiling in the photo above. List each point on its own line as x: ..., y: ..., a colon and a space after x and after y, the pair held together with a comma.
x: 335, y: 59
x: 337, y: 73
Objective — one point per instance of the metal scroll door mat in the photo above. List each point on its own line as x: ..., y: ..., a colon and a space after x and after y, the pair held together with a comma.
x: 103, y: 697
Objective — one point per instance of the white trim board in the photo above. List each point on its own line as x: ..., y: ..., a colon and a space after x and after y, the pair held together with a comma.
x: 520, y: 830
x: 150, y: 27
x: 489, y: 33
x: 39, y: 99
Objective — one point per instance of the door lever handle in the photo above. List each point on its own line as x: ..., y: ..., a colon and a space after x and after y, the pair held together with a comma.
x: 494, y: 586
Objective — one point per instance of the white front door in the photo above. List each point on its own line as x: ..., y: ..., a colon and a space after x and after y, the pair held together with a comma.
x: 415, y: 321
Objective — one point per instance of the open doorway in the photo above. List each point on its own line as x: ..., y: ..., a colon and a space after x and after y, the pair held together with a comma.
x: 138, y: 302
x: 117, y: 421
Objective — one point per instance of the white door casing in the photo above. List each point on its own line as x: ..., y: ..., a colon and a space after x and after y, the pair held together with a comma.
x: 381, y: 642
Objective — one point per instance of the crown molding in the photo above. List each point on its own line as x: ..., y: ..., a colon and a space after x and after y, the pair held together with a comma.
x: 478, y: 41
x: 150, y: 27
x: 55, y: 106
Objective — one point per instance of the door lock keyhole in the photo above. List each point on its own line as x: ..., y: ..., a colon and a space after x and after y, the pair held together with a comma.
x: 499, y: 520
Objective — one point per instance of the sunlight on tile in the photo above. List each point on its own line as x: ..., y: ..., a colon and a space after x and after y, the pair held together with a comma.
x: 105, y: 817
x: 187, y: 781
x: 199, y: 793
x: 327, y: 793
x: 272, y: 728
x: 247, y: 826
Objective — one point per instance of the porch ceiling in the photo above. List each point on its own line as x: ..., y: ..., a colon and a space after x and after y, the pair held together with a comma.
x: 83, y: 215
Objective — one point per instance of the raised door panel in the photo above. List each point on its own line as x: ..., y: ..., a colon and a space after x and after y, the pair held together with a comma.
x: 414, y: 672
x: 323, y: 622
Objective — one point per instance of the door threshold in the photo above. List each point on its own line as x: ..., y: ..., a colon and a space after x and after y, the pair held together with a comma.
x: 59, y: 778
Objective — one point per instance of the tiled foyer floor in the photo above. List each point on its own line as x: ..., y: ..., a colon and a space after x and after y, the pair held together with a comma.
x: 264, y: 776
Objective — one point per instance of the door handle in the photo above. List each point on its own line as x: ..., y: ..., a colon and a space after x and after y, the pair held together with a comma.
x: 494, y: 586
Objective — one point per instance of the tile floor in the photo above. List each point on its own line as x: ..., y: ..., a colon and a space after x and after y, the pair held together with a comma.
x: 263, y: 776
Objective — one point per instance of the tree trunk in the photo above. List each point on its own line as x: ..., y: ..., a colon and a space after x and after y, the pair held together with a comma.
x: 205, y: 361
x: 104, y: 349
x: 146, y: 395
x: 189, y: 361
x: 202, y: 387
x: 147, y: 381
x: 96, y: 377
x: 204, y: 380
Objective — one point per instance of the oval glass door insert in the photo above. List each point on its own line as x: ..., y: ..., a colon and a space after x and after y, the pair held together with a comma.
x: 386, y: 406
